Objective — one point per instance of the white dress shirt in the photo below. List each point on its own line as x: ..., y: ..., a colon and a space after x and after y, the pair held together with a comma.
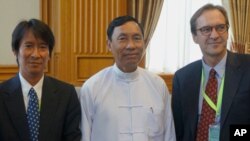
x: 118, y: 106
x: 26, y: 86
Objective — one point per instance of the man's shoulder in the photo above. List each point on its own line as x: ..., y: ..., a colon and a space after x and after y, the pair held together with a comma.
x: 10, y: 84
x: 243, y: 57
x: 236, y: 59
x: 100, y: 75
x: 189, y: 68
x: 53, y: 85
x: 56, y: 82
x: 151, y: 75
x: 147, y: 72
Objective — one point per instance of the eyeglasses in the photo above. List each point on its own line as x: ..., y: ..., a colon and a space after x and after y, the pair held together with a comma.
x: 207, y: 30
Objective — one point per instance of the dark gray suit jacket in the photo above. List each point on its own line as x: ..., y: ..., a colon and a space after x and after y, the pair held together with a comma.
x: 59, y: 116
x: 236, y: 97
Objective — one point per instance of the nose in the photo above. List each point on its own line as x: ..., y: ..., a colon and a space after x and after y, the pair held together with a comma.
x: 35, y: 52
x: 131, y: 44
x: 214, y: 34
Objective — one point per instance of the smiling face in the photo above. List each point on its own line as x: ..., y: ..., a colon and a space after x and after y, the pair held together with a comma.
x: 127, y: 46
x: 33, y: 56
x: 213, y: 46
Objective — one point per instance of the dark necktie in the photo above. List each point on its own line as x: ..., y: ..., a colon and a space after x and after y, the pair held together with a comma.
x: 33, y: 115
x: 207, y: 113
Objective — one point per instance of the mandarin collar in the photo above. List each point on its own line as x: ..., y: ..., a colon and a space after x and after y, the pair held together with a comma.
x: 128, y: 77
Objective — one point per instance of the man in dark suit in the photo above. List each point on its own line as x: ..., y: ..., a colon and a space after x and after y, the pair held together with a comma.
x: 56, y: 103
x: 209, y: 27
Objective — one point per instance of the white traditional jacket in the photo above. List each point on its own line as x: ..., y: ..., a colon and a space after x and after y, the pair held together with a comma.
x: 118, y: 106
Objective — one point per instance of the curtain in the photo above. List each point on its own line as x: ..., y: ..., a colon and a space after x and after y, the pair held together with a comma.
x: 239, y: 19
x: 172, y: 46
x: 147, y: 12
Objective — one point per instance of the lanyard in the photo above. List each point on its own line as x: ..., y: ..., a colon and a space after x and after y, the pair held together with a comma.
x: 208, y: 100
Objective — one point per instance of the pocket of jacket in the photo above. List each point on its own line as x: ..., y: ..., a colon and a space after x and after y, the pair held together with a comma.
x: 154, y: 121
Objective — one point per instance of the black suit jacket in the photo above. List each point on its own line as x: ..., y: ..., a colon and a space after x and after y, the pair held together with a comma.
x: 59, y: 116
x: 236, y: 97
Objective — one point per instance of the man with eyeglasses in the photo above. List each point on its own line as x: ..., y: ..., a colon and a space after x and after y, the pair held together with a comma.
x: 213, y: 93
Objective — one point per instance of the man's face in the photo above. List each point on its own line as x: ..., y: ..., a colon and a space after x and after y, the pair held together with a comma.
x: 214, y: 44
x: 127, y: 46
x: 32, y: 56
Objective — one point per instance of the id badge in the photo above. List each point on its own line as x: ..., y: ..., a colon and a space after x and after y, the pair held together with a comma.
x: 214, y: 132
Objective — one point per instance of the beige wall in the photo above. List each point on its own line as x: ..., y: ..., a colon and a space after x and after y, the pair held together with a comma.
x: 11, y: 12
x: 80, y: 30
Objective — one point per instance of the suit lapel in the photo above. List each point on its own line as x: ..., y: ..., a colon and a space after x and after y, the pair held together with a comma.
x: 191, y: 98
x: 13, y: 99
x: 196, y: 93
x: 49, y: 106
x: 233, y: 75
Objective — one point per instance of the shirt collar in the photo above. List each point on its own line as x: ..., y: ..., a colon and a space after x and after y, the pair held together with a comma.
x: 26, y: 86
x: 131, y: 76
x: 219, y: 68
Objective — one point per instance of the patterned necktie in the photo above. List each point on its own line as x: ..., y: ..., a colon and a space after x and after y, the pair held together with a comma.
x: 207, y: 113
x: 33, y: 115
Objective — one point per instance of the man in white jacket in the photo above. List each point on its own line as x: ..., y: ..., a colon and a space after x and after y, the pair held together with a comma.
x: 125, y: 102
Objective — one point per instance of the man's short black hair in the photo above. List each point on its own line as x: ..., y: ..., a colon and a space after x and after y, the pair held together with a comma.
x: 38, y: 28
x: 120, y: 21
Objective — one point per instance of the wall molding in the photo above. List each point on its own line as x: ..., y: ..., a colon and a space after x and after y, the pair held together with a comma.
x: 7, y: 71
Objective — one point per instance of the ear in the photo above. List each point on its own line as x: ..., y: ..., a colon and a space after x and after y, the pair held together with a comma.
x: 15, y: 53
x: 195, y: 38
x: 108, y: 44
x: 144, y: 44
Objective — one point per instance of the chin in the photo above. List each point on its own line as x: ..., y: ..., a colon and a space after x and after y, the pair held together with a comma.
x: 132, y: 63
x: 35, y: 71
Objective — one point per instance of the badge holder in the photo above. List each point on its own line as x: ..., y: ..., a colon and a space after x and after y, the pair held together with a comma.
x: 214, y: 131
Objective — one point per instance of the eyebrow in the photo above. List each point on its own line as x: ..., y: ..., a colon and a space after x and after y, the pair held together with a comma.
x: 122, y: 34
x: 137, y: 34
x: 213, y: 25
x: 28, y: 42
